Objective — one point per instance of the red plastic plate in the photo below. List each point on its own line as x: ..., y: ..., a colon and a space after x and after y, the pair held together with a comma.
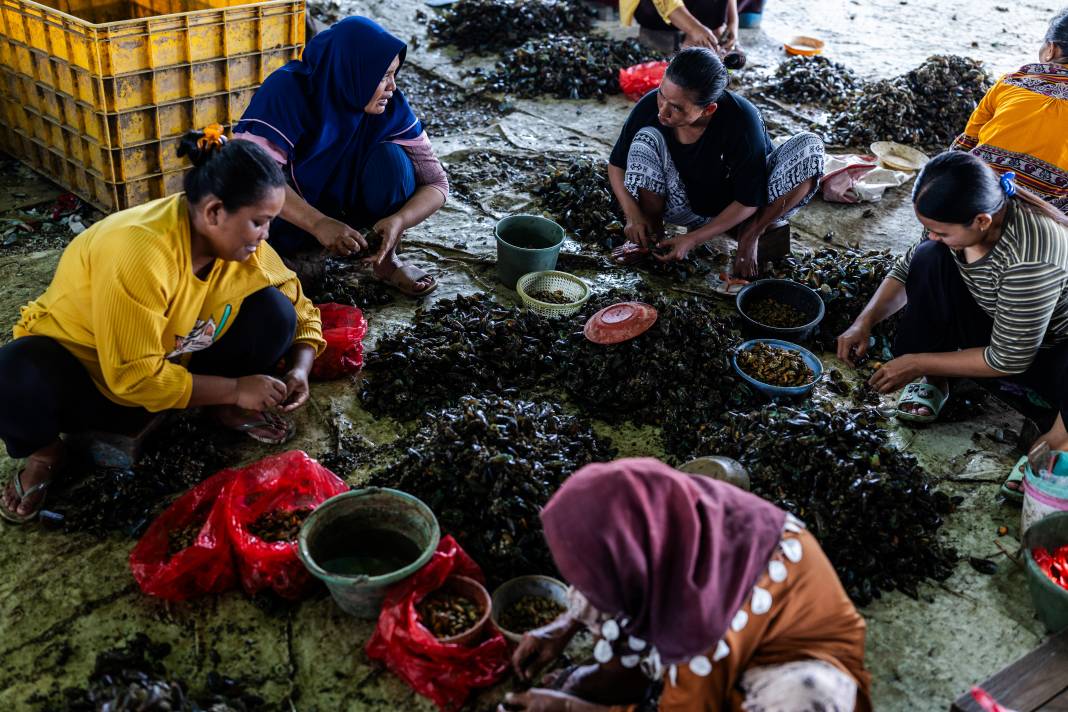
x: 620, y: 322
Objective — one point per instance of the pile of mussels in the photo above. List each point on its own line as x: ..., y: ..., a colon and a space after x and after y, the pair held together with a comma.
x: 473, y: 175
x: 463, y: 346
x: 814, y: 80
x: 485, y: 26
x: 133, y: 677
x: 579, y: 197
x: 928, y: 106
x: 846, y: 279
x: 487, y: 467
x: 870, y: 505
x: 564, y: 66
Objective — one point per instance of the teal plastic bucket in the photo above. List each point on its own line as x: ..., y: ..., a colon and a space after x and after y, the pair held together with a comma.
x: 362, y: 542
x: 1050, y: 600
x: 526, y: 243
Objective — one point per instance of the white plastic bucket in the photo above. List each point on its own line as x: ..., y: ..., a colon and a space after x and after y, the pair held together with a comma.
x: 1044, y: 496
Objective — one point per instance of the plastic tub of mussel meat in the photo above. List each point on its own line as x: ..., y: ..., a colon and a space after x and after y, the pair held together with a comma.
x: 777, y: 368
x: 457, y: 612
x: 526, y: 603
x: 780, y: 309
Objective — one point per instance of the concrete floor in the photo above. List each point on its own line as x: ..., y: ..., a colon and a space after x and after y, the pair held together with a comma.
x: 65, y: 598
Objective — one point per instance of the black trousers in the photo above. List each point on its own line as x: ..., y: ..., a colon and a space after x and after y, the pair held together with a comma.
x: 942, y: 316
x: 710, y: 13
x: 46, y: 391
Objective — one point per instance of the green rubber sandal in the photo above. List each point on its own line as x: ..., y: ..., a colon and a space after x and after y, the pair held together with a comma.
x: 1012, y: 489
x: 917, y: 393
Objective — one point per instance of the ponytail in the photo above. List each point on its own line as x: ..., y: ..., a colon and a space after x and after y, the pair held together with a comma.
x: 239, y: 173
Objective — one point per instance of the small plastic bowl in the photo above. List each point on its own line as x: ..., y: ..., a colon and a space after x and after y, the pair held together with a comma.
x: 804, y: 46
x: 473, y: 591
x: 789, y: 293
x: 899, y: 157
x: 573, y: 288
x: 780, y: 391
x: 511, y: 591
x: 620, y: 322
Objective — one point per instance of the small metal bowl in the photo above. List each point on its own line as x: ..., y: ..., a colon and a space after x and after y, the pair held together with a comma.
x: 780, y: 391
x: 511, y: 591
x: 786, y: 292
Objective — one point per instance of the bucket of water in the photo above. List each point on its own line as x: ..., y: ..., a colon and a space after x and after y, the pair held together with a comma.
x: 526, y: 243
x: 360, y: 543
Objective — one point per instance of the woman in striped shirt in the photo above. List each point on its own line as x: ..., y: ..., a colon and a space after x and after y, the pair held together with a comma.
x: 985, y: 294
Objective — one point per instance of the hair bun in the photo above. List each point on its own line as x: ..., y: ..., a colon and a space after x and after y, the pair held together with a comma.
x: 200, y: 146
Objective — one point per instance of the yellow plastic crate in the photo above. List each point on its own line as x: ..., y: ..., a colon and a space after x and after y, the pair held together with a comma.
x: 75, y: 177
x: 107, y: 38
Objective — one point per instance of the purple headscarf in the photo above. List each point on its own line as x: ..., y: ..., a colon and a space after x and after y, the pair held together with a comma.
x: 312, y: 108
x: 677, y: 554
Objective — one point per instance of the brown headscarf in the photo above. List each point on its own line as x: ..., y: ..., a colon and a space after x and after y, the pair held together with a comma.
x: 676, y: 554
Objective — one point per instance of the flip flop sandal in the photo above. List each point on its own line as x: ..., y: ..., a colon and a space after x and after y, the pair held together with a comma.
x: 924, y: 394
x: 13, y: 516
x: 726, y: 286
x: 267, y: 419
x: 1016, y: 477
x: 404, y: 278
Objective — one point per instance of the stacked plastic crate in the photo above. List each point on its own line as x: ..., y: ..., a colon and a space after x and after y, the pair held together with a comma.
x: 96, y: 93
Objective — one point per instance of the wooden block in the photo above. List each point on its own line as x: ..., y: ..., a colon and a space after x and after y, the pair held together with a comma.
x: 1037, y: 681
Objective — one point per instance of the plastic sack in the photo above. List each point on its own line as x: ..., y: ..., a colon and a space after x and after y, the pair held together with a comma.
x: 283, y: 483
x: 343, y: 329
x: 639, y: 80
x: 206, y: 566
x: 853, y: 178
x: 444, y: 673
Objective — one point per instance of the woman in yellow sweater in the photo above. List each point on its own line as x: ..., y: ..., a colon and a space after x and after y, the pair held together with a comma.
x: 173, y: 304
x: 1019, y: 126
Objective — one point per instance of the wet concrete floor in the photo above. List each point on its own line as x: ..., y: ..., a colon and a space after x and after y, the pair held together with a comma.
x: 64, y: 598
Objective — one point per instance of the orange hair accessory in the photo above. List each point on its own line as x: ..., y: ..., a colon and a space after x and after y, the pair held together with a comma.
x: 213, y: 138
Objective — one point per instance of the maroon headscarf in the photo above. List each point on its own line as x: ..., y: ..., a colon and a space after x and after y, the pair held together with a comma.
x: 677, y: 554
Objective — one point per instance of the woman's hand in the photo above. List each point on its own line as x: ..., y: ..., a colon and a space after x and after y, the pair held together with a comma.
x: 678, y: 248
x: 728, y: 38
x: 639, y: 230
x: 895, y: 375
x: 540, y: 647
x: 853, y: 342
x: 700, y: 36
x: 538, y: 700
x: 391, y: 229
x: 259, y: 392
x: 338, y: 237
x: 297, y: 389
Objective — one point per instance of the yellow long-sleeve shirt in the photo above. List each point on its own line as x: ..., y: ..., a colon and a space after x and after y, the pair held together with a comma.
x: 627, y: 8
x: 126, y: 302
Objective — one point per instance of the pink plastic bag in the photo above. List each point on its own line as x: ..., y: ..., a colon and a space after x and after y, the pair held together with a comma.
x: 442, y: 672
x: 639, y: 80
x: 343, y: 328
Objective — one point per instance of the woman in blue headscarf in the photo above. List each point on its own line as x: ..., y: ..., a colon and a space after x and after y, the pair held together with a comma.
x: 354, y: 153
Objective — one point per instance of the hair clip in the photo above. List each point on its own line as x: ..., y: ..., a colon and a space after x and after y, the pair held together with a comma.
x: 1008, y: 184
x: 212, y: 139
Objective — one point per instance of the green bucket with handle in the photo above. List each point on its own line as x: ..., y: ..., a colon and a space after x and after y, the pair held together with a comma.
x: 360, y: 543
x: 526, y: 243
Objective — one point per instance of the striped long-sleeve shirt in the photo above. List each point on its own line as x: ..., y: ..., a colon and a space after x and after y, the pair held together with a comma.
x: 1022, y: 283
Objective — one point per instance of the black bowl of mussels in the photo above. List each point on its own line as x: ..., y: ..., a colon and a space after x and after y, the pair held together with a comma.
x: 780, y: 308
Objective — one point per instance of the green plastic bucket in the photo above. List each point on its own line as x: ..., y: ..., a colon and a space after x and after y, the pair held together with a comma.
x: 526, y: 243
x: 362, y: 542
x: 1050, y: 600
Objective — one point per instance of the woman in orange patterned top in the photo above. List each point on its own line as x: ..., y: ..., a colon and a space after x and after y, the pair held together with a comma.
x: 1019, y: 126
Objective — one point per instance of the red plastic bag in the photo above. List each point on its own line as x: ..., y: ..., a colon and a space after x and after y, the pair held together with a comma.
x: 206, y: 566
x: 343, y: 328
x: 639, y: 80
x: 284, y: 483
x: 444, y: 673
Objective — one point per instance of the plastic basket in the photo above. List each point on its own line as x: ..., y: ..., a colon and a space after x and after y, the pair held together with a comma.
x: 572, y: 287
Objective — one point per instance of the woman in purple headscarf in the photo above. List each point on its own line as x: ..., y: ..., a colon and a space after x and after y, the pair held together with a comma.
x: 723, y: 596
x: 355, y: 154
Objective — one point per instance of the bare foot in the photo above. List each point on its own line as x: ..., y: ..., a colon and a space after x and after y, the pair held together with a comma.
x: 386, y: 270
x: 269, y: 428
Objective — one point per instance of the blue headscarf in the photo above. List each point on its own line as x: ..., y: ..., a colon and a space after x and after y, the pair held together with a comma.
x: 313, y: 109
